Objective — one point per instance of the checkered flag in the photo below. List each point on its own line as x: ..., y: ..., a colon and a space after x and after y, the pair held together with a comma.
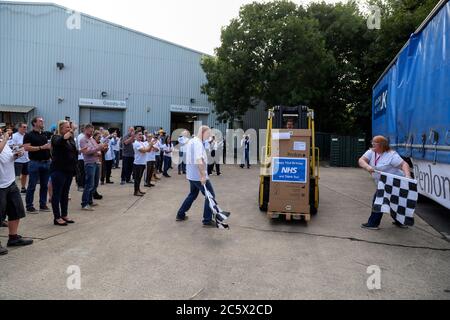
x: 220, y: 217
x: 398, y: 196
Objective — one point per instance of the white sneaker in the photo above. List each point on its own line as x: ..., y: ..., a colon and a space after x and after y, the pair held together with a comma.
x: 87, y: 208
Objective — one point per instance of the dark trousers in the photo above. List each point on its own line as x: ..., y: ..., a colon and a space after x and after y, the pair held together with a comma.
x: 376, y: 217
x: 161, y: 161
x: 127, y: 168
x: 138, y: 172
x: 91, y: 183
x: 211, y: 167
x: 195, y: 188
x: 150, y: 172
x: 103, y: 169
x: 38, y: 171
x: 116, y: 159
x: 61, y: 182
x: 80, y: 174
x: 167, y: 164
x: 158, y: 162
x: 108, y: 169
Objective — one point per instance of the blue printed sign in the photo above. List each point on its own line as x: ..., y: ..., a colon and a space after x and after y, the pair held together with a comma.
x: 293, y: 170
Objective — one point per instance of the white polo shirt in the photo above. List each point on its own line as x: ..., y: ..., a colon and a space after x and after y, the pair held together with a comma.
x: 7, y: 174
x: 139, y: 157
x: 17, y: 140
x: 195, y: 151
x: 389, y: 162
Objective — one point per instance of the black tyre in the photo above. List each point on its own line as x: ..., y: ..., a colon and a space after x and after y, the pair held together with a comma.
x: 266, y: 191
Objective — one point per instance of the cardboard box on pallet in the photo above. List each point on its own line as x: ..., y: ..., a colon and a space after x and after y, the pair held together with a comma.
x: 290, y: 180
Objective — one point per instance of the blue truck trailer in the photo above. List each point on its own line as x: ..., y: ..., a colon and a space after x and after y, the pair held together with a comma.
x: 411, y: 104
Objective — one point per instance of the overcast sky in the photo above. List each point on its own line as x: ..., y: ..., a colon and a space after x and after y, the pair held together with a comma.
x: 195, y: 24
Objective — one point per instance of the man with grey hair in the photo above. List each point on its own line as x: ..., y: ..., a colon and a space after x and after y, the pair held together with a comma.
x: 197, y: 174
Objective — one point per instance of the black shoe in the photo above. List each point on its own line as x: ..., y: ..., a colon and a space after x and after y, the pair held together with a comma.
x: 97, y: 196
x: 3, y: 251
x: 68, y: 221
x: 19, y: 242
x: 44, y: 209
x: 56, y: 223
x: 32, y: 210
x: 398, y: 224
x: 130, y: 182
x: 209, y: 225
x: 24, y: 191
x: 219, y: 174
x: 369, y: 227
x: 167, y: 176
x: 182, y: 219
x: 109, y: 182
x: 242, y: 167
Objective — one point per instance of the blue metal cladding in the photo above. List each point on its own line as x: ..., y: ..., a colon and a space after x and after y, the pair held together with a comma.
x: 412, y: 99
x: 149, y: 73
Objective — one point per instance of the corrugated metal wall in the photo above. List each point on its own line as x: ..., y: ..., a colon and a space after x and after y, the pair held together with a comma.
x: 149, y: 73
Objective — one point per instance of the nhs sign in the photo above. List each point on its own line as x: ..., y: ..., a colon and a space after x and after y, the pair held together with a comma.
x: 291, y: 170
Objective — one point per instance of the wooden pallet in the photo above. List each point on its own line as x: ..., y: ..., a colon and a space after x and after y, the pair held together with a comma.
x: 290, y: 216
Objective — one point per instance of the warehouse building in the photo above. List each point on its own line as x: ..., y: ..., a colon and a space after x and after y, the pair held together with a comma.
x: 61, y: 64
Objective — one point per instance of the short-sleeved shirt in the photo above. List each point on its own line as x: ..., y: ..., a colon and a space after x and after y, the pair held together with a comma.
x: 17, y: 142
x: 127, y: 148
x: 151, y: 156
x: 139, y: 157
x: 37, y: 139
x: 195, y: 151
x: 389, y: 162
x: 7, y: 174
x: 168, y: 149
x: 78, y: 139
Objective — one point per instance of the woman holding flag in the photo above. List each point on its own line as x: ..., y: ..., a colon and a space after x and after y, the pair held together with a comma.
x: 381, y: 158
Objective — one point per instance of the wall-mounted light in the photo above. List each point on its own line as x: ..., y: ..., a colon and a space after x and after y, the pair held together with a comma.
x: 193, y: 101
x: 60, y: 65
x: 104, y: 94
x: 60, y: 99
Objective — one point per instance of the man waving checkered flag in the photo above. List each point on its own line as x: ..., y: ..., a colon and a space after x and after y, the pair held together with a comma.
x: 398, y: 196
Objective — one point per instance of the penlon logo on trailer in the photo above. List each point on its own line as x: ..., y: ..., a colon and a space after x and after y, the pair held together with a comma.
x: 433, y: 180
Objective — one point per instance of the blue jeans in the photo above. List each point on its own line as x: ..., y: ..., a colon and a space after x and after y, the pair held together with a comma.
x: 39, y: 171
x: 167, y: 164
x: 116, y: 159
x: 91, y: 179
x: 196, y: 186
x: 61, y: 182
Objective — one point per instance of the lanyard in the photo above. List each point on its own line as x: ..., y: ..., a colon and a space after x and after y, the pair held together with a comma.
x: 377, y: 158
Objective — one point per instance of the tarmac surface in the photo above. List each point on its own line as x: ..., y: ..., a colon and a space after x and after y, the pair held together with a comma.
x: 132, y: 248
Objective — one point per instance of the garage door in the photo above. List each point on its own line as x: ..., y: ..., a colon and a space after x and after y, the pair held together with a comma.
x: 106, y: 116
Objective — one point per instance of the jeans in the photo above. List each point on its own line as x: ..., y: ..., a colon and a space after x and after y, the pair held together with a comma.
x: 196, y: 186
x: 375, y: 217
x: 108, y: 169
x: 61, y: 182
x: 211, y: 167
x: 167, y: 164
x: 150, y: 172
x: 80, y: 174
x: 127, y: 168
x: 138, y: 171
x: 116, y: 159
x: 182, y: 165
x: 158, y: 162
x: 38, y: 171
x: 91, y: 181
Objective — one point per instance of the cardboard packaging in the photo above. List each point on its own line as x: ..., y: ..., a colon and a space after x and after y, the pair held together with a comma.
x: 290, y: 197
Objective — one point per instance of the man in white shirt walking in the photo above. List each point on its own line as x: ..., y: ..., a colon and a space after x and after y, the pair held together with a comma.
x: 196, y: 173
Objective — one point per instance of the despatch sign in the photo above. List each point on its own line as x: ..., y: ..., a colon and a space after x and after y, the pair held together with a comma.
x: 291, y: 170
x: 97, y: 103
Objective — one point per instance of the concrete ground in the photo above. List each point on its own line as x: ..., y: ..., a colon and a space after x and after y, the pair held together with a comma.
x: 132, y: 248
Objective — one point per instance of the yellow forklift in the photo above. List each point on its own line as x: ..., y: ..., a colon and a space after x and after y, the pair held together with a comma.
x: 283, y: 117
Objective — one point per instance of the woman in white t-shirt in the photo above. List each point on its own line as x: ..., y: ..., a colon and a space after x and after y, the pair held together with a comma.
x: 382, y: 158
x: 167, y: 148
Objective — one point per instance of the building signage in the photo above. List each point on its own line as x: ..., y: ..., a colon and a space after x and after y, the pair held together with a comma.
x: 190, y: 109
x: 380, y: 103
x: 97, y: 103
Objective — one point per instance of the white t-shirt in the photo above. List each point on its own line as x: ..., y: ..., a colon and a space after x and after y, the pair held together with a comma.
x: 139, y: 157
x: 151, y: 156
x: 17, y: 141
x: 116, y: 147
x: 78, y: 139
x: 183, y: 141
x: 168, y: 149
x: 389, y: 162
x: 7, y: 174
x: 195, y: 151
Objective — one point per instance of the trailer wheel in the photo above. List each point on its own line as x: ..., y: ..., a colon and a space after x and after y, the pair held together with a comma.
x: 265, y: 190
